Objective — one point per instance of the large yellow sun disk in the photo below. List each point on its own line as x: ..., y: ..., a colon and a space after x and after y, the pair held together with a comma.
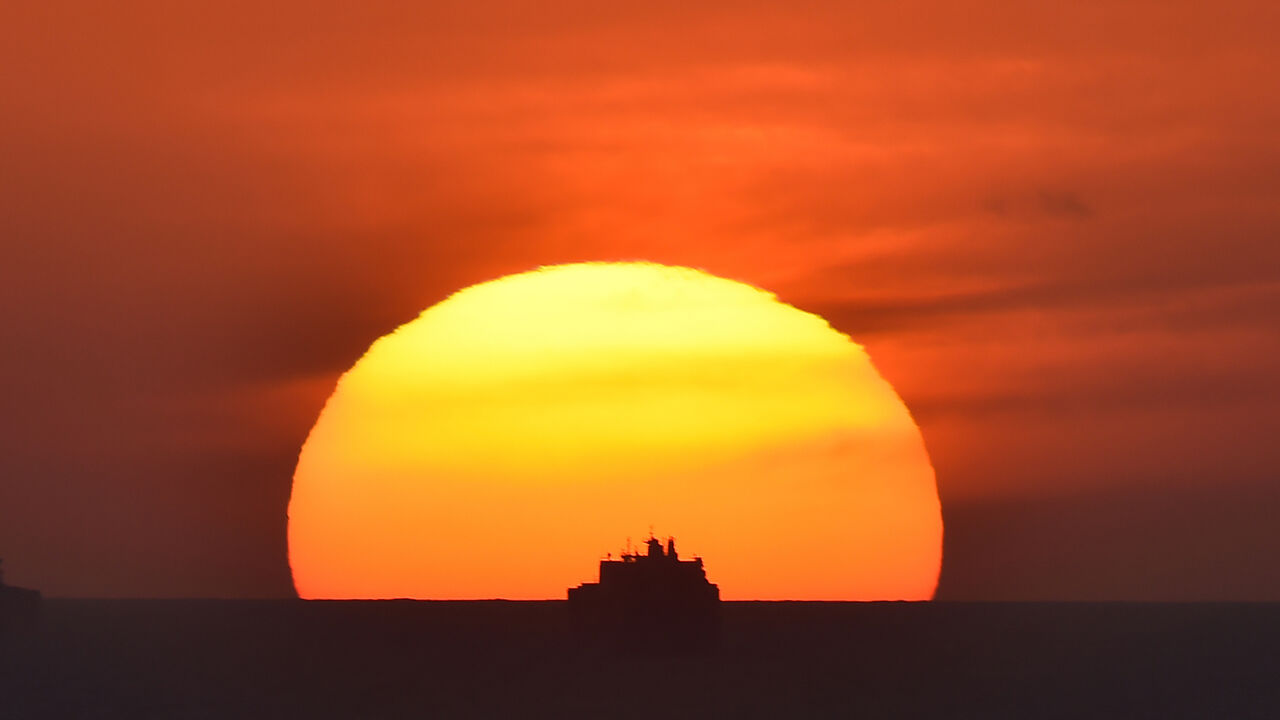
x: 500, y: 442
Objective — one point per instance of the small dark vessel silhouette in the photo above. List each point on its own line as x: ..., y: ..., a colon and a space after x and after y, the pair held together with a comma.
x: 19, y: 607
x: 654, y: 601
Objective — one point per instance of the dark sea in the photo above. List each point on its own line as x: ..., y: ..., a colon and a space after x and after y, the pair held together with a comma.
x: 404, y: 659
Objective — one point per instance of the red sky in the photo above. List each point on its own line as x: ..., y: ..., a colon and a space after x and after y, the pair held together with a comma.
x: 1055, y: 231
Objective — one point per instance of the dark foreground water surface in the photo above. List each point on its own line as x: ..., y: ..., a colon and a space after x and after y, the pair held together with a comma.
x: 400, y: 659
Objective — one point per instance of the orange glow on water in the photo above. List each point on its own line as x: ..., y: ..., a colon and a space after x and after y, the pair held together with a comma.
x: 497, y: 444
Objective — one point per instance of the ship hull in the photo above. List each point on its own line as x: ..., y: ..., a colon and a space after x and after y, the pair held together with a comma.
x: 646, y: 622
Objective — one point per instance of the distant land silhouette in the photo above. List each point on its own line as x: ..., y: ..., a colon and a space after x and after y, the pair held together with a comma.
x: 398, y: 659
x: 19, y: 607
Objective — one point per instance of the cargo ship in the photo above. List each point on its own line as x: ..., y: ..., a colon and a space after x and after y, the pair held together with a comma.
x: 649, y: 601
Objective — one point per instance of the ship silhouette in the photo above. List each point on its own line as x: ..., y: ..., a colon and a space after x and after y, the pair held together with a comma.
x: 19, y: 607
x: 654, y: 601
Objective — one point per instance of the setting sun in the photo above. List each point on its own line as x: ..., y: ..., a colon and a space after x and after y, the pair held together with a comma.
x: 499, y: 443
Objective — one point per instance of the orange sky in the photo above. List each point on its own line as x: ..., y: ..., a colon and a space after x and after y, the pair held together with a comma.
x: 1054, y: 230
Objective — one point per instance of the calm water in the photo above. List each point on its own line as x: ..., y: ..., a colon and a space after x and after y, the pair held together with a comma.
x: 215, y: 659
